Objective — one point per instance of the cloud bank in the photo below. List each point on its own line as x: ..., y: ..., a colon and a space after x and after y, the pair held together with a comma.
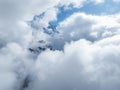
x: 82, y: 53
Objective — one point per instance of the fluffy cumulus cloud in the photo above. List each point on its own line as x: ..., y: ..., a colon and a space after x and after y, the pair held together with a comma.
x: 82, y: 65
x: 90, y: 27
x: 81, y: 53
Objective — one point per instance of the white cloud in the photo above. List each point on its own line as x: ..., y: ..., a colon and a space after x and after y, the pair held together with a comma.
x: 75, y: 3
x: 78, y: 3
x: 90, y: 27
x: 12, y: 12
x: 14, y: 66
x: 81, y: 64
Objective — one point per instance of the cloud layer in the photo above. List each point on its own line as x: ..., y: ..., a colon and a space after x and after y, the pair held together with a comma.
x: 83, y: 54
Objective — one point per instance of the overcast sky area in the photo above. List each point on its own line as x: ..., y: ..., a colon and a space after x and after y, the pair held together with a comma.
x: 59, y: 44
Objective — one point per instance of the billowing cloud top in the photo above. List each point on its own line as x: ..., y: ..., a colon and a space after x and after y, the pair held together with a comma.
x: 59, y: 45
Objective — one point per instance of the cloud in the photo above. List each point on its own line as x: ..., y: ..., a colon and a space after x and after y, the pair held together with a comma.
x: 14, y: 66
x: 82, y: 65
x: 78, y: 3
x: 85, y: 54
x: 85, y: 26
x: 13, y: 13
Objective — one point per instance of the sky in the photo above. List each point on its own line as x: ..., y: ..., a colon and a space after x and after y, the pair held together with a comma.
x: 59, y: 45
x: 107, y: 7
